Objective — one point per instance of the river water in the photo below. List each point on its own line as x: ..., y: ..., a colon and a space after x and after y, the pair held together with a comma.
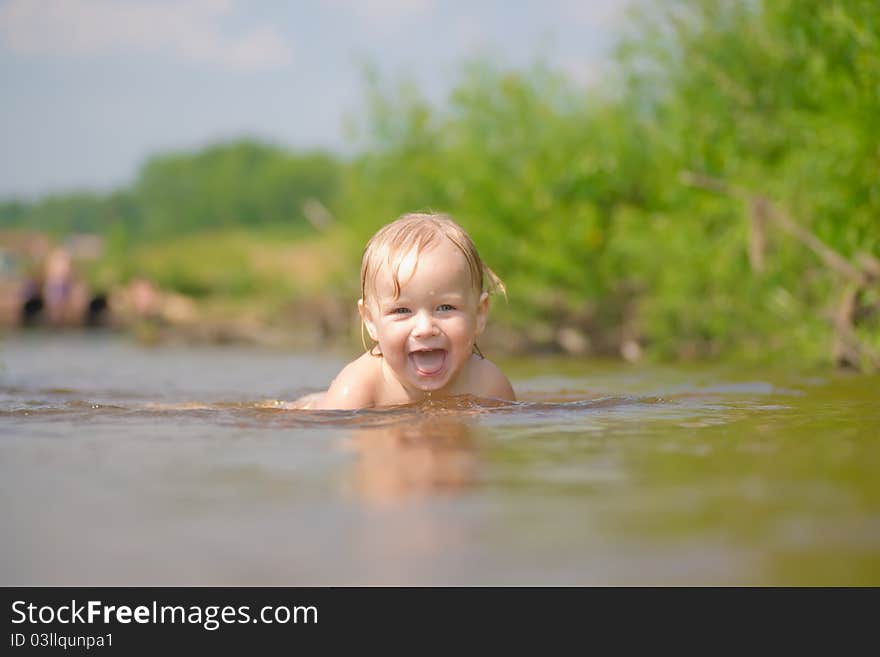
x: 178, y: 465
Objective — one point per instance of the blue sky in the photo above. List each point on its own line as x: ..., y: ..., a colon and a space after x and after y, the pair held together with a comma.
x: 93, y: 87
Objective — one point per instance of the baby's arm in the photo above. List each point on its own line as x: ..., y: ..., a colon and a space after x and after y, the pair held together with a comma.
x: 351, y: 389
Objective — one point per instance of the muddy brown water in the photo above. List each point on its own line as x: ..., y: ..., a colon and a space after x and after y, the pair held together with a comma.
x: 180, y: 465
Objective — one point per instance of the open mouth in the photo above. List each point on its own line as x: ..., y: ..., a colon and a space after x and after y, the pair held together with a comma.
x: 428, y: 362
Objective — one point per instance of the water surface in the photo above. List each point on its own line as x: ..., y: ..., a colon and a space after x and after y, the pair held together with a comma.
x: 174, y: 465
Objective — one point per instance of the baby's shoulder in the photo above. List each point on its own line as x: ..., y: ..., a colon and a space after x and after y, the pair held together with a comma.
x: 487, y: 380
x: 355, y: 386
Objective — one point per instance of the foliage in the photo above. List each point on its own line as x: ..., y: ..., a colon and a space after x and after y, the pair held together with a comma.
x: 575, y: 196
x: 238, y: 184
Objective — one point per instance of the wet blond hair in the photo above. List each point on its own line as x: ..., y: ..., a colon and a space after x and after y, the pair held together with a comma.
x: 419, y: 231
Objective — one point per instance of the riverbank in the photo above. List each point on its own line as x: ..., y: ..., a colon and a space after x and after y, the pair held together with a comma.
x: 280, y: 287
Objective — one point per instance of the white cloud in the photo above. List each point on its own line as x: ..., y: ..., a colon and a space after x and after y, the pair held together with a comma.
x: 190, y: 28
x: 470, y: 33
x: 384, y: 11
x: 596, y: 13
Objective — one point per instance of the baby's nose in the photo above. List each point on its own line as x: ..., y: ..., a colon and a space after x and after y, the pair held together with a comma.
x: 424, y: 324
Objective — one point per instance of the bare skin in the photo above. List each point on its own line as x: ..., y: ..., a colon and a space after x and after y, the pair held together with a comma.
x: 364, y: 384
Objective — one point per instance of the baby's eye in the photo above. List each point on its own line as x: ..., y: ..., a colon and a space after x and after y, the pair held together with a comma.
x: 445, y: 307
x: 400, y: 311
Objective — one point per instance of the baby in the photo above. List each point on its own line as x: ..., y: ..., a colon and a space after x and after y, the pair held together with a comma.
x: 424, y: 300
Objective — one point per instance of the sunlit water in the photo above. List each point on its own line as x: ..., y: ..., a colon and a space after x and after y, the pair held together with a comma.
x: 125, y: 465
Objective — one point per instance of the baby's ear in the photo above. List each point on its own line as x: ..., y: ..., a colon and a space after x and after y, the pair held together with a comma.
x: 367, y: 319
x: 482, y: 312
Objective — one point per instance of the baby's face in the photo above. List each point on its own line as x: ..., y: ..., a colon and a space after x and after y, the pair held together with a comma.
x: 427, y: 333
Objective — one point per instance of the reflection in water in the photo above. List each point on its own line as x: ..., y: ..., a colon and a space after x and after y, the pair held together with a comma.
x: 414, y: 458
x: 404, y: 473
